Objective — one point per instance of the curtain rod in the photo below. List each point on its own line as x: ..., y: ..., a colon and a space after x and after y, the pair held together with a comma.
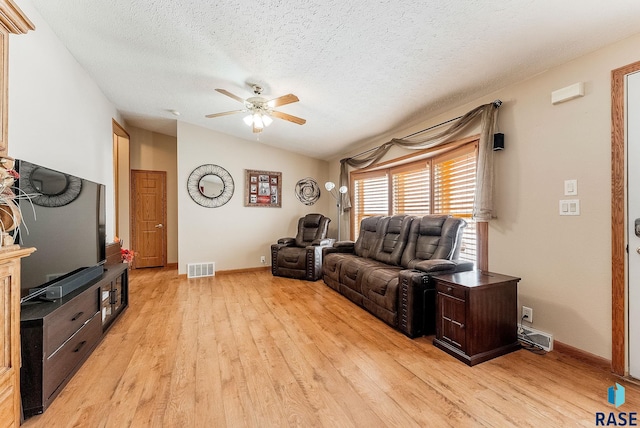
x: 496, y: 103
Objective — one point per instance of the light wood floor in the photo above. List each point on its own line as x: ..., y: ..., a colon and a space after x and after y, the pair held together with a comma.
x: 253, y: 350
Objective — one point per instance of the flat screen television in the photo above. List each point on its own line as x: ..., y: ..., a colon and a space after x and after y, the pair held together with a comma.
x: 64, y: 219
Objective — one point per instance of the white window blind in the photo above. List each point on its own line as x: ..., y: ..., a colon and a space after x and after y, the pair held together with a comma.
x: 371, y: 197
x: 454, y: 187
x: 412, y: 189
x: 443, y: 184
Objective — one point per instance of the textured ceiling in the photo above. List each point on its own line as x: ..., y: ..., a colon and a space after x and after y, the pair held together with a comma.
x: 360, y: 67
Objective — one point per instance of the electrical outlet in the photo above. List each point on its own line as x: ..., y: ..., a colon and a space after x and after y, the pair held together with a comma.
x: 263, y: 259
x: 527, y: 314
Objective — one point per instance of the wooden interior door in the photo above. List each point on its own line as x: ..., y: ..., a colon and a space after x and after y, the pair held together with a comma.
x: 149, y: 218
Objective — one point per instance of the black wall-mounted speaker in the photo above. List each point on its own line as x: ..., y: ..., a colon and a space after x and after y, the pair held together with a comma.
x: 498, y: 142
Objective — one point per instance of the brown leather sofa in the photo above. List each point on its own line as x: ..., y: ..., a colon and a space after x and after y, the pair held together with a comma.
x: 387, y: 270
x: 301, y: 257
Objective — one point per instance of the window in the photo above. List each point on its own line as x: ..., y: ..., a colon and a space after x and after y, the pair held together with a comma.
x: 442, y: 184
x: 371, y: 195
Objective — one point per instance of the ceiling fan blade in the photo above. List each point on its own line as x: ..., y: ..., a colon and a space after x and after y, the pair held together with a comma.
x: 290, y: 118
x: 285, y: 99
x: 224, y: 113
x: 230, y: 95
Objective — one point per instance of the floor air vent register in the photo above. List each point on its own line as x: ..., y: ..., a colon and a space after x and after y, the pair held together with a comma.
x: 535, y: 337
x: 199, y: 270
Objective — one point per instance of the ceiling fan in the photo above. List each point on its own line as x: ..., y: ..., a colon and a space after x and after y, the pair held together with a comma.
x: 260, y: 110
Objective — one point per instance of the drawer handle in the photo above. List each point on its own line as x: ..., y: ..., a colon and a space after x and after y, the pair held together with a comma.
x: 77, y: 316
x: 80, y: 346
x: 449, y: 289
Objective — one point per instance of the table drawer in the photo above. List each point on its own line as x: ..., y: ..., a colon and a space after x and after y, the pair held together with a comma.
x: 68, y: 319
x: 451, y: 290
x: 63, y: 362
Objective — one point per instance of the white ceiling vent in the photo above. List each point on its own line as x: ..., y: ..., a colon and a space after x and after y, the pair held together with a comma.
x: 198, y: 270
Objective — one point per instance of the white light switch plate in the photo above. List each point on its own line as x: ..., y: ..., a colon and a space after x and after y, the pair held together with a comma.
x: 570, y: 187
x: 570, y: 207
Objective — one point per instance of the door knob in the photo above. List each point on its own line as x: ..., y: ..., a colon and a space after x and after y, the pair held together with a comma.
x: 638, y: 250
x: 159, y: 226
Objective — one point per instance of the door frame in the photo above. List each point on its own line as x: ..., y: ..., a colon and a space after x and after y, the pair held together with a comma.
x: 120, y: 150
x: 619, y: 290
x: 164, y: 212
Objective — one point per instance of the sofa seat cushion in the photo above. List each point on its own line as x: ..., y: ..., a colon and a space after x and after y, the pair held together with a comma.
x: 380, y: 293
x: 352, y: 271
x: 380, y: 286
x: 331, y: 264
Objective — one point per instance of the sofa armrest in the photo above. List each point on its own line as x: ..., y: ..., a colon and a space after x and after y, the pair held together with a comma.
x: 323, y: 242
x: 416, y: 303
x: 417, y: 299
x: 345, y: 245
x: 340, y: 247
x: 463, y: 265
x: 287, y: 241
x: 436, y: 266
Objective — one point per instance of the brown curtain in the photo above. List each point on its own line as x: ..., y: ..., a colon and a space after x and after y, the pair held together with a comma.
x: 485, y: 114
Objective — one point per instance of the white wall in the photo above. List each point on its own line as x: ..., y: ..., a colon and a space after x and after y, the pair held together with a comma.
x: 58, y: 117
x: 564, y: 262
x: 234, y: 236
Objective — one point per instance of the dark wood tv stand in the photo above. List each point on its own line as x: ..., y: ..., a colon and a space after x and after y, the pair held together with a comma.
x: 57, y: 337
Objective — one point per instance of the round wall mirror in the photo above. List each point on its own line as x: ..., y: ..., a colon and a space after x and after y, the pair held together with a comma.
x: 210, y: 186
x: 49, y: 188
x: 49, y: 182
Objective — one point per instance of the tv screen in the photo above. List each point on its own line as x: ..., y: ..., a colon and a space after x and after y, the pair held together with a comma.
x: 63, y: 217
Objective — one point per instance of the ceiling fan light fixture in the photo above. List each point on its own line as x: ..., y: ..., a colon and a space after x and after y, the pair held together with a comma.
x: 260, y: 111
x: 257, y: 121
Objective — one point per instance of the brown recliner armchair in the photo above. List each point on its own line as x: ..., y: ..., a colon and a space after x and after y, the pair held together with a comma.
x: 301, y: 257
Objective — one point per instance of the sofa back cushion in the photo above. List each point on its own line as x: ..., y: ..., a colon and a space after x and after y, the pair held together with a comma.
x: 310, y: 228
x: 433, y: 237
x: 392, y: 239
x: 367, y: 237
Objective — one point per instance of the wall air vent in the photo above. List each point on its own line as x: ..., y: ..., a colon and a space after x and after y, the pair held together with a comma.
x: 198, y: 270
x: 535, y: 337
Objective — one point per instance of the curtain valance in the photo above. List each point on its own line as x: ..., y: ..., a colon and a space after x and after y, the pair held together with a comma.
x: 486, y: 114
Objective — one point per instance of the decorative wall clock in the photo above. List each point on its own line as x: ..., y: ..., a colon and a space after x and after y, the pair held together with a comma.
x: 307, y: 191
x: 210, y: 186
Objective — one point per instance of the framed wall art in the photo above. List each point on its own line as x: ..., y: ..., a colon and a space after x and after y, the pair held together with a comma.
x: 262, y: 188
x: 307, y: 191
